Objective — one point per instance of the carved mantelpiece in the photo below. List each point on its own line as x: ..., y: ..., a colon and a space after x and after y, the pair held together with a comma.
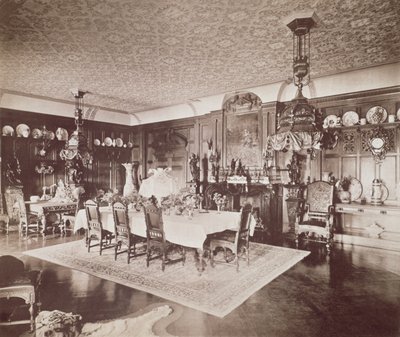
x: 266, y: 201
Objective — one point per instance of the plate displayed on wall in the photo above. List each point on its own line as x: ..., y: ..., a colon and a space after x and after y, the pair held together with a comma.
x: 330, y: 121
x: 108, y: 141
x: 398, y: 114
x: 23, y: 130
x: 355, y: 189
x: 62, y: 134
x: 7, y: 130
x: 119, y: 142
x: 97, y: 142
x: 376, y: 115
x: 350, y: 118
x: 36, y: 133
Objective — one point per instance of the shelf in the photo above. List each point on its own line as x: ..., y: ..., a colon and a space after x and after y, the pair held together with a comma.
x: 366, y: 126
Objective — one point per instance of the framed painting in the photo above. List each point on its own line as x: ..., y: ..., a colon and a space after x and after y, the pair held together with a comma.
x: 242, y: 139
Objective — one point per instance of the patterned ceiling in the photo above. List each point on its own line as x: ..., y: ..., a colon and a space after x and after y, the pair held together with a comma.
x: 136, y: 55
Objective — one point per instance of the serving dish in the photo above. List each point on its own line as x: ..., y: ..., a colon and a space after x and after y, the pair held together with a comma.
x: 8, y: 130
x: 355, y: 189
x: 350, y: 118
x: 376, y: 115
x: 23, y: 130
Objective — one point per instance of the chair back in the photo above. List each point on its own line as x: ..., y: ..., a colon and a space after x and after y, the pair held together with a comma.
x: 121, y: 222
x: 93, y: 215
x: 23, y: 214
x: 154, y: 223
x: 245, y: 213
x: 319, y: 197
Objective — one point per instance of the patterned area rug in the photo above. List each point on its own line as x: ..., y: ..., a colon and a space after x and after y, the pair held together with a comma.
x: 216, y: 291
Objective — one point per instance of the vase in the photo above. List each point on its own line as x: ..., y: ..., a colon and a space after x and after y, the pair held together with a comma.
x: 129, y: 187
x: 344, y: 196
x: 218, y: 209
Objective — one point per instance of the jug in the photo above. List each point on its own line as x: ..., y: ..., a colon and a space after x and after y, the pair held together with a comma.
x: 377, y: 192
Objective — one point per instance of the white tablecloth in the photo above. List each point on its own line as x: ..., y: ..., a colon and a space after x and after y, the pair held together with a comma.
x: 178, y: 228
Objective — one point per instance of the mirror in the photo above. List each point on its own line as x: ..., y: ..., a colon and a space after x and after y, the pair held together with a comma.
x: 378, y: 144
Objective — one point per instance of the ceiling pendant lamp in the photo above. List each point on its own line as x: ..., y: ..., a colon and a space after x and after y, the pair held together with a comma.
x: 76, y: 152
x: 299, y: 124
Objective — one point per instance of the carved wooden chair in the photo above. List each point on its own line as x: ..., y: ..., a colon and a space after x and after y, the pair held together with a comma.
x: 29, y: 222
x: 123, y: 235
x: 15, y: 282
x: 156, y: 237
x: 237, y: 241
x: 95, y: 229
x: 318, y: 215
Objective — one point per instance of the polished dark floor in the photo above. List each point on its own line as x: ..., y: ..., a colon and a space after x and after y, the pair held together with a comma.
x: 356, y: 293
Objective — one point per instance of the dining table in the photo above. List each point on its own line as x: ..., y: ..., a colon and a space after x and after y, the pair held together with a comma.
x: 45, y: 208
x: 179, y: 229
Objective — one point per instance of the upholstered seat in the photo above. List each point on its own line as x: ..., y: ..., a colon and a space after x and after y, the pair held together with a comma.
x: 123, y: 234
x: 235, y: 241
x: 156, y: 237
x: 319, y: 212
x: 15, y: 282
x: 95, y: 229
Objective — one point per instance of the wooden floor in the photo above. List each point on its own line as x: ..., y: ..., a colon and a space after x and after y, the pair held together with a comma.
x: 353, y: 294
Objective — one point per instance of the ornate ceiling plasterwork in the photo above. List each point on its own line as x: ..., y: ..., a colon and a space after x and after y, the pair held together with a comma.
x: 141, y: 55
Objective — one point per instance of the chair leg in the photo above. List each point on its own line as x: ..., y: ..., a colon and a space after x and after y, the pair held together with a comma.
x: 148, y: 255
x: 129, y: 255
x: 164, y: 256
x: 212, y: 263
x: 116, y: 252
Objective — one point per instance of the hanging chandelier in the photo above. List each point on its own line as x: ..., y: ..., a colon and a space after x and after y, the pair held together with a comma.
x: 76, y: 152
x: 299, y: 125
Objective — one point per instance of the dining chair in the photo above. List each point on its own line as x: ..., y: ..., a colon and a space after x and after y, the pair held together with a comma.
x: 156, y: 237
x: 123, y: 234
x: 319, y: 212
x: 95, y: 229
x: 29, y: 222
x: 235, y: 241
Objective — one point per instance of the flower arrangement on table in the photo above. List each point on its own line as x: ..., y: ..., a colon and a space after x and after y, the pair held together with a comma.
x: 182, y: 202
x: 220, y: 200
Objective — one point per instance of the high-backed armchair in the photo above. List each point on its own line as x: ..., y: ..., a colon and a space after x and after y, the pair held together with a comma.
x: 29, y: 222
x: 237, y: 241
x: 318, y: 215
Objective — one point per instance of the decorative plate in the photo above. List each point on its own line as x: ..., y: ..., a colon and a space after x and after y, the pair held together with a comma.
x: 108, y: 141
x: 330, y: 121
x: 398, y: 114
x: 51, y: 135
x: 350, y: 118
x: 36, y: 133
x: 376, y: 115
x: 8, y: 130
x: 129, y: 144
x: 355, y: 189
x: 97, y: 142
x: 119, y: 142
x: 62, y: 134
x: 23, y: 130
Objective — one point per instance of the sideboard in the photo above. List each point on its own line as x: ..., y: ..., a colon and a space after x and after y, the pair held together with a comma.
x: 374, y: 226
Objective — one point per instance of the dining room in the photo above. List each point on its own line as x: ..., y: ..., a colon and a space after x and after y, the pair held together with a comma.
x: 199, y: 169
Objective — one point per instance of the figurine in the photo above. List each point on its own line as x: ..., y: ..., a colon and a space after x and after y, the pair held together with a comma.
x: 294, y: 170
x: 194, y: 167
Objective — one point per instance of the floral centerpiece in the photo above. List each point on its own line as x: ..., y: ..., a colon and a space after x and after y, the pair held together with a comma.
x: 220, y: 200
